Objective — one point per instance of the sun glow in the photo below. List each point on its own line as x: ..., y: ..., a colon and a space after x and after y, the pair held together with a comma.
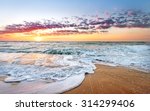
x: 38, y: 39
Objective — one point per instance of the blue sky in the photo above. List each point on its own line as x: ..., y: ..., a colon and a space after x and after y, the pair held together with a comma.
x: 30, y: 19
x: 15, y: 11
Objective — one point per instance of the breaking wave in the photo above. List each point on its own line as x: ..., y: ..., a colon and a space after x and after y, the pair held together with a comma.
x: 58, y: 61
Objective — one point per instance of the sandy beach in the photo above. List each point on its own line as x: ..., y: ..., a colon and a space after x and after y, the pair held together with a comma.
x: 114, y: 80
x: 105, y: 80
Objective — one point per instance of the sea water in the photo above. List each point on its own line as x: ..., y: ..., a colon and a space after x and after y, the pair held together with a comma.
x: 29, y: 61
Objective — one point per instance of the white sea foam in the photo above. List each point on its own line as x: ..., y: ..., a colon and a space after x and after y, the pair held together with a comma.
x: 59, y: 61
x: 62, y: 86
x: 65, y: 70
x: 41, y: 66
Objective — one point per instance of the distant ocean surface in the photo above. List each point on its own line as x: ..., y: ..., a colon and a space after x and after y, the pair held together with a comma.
x: 60, y: 60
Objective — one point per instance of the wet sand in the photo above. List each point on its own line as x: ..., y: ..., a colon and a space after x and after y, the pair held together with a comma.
x: 114, y: 80
x: 105, y: 80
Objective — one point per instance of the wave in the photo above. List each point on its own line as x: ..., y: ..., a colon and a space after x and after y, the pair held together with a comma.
x: 21, y: 66
x: 69, y: 61
x: 63, y: 52
x: 128, y: 54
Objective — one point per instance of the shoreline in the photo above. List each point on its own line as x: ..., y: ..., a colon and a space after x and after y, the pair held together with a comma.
x: 105, y: 80
x: 40, y: 86
x: 114, y: 80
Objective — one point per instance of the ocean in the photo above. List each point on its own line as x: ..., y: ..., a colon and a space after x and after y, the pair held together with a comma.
x: 29, y: 61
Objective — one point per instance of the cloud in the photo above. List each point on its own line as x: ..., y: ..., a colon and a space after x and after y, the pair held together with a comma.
x: 82, y: 25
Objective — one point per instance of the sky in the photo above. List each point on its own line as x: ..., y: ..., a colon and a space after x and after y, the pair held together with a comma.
x: 74, y: 20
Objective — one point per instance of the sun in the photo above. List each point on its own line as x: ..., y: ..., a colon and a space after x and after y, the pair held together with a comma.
x: 38, y: 39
